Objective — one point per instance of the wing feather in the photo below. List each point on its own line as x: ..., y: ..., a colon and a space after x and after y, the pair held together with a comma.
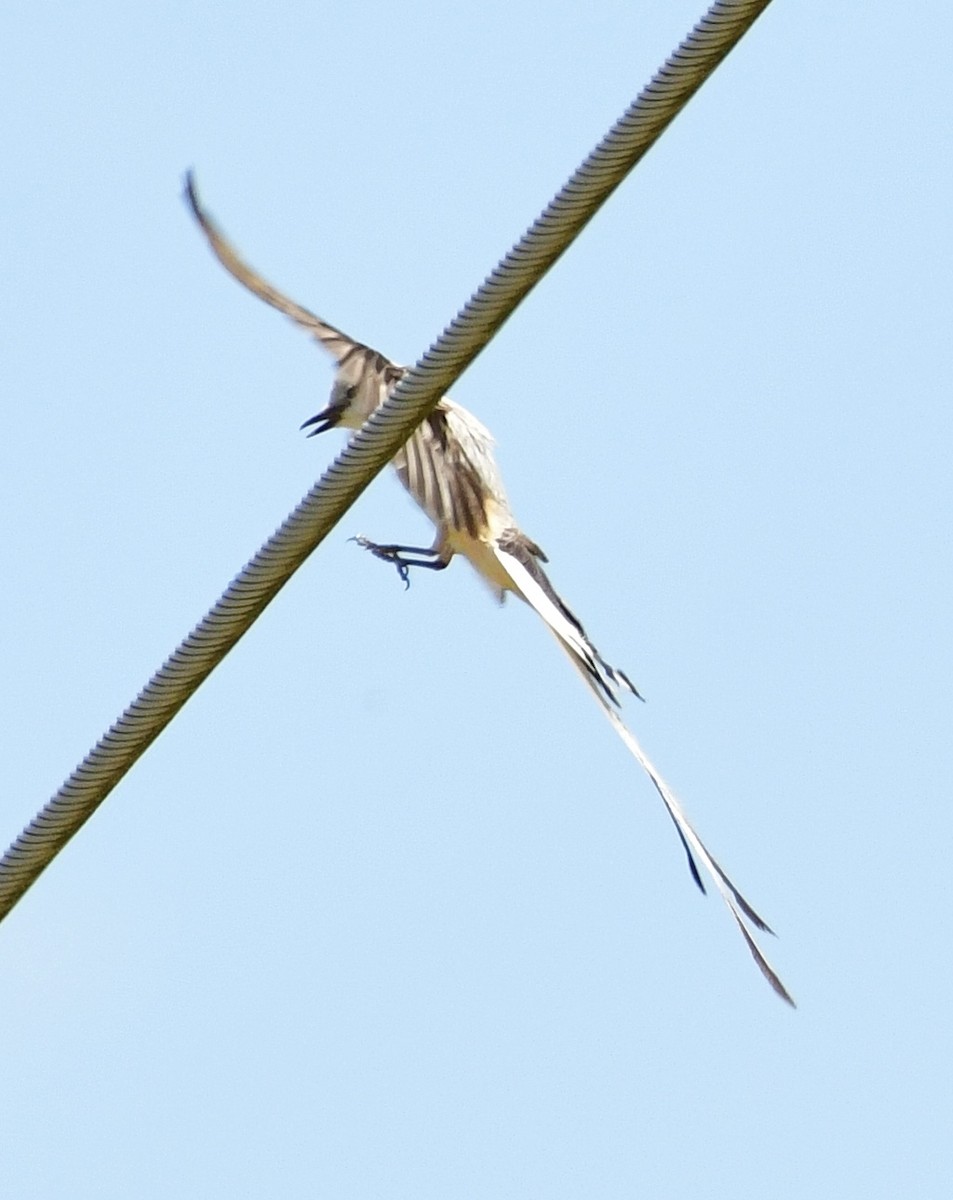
x: 333, y: 340
x: 440, y: 474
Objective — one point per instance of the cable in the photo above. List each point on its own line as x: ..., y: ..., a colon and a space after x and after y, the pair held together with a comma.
x: 375, y: 445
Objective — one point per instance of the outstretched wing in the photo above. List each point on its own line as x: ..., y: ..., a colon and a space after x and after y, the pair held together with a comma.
x: 333, y: 340
x: 364, y: 377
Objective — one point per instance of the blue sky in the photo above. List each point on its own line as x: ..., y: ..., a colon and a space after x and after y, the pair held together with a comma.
x: 387, y: 911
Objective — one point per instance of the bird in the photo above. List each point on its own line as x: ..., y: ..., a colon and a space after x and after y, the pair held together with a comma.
x: 449, y: 469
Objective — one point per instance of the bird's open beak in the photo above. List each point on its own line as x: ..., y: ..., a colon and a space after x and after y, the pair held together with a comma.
x: 326, y: 419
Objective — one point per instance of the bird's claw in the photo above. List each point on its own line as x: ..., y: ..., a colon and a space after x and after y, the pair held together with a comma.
x: 386, y: 555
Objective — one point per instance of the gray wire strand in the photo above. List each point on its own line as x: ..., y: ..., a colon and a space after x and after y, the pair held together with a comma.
x: 375, y: 445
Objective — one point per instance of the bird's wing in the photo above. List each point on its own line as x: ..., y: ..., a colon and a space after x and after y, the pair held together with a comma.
x: 364, y: 375
x: 446, y: 473
x: 333, y: 340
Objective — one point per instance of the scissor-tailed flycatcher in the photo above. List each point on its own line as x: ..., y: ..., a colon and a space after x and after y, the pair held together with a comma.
x: 448, y: 468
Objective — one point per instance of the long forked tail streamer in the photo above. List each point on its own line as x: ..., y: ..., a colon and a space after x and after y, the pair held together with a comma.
x: 738, y: 906
x: 601, y: 679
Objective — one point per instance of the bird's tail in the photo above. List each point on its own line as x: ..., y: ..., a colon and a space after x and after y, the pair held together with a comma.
x: 695, y: 849
x: 520, y: 559
x: 603, y: 681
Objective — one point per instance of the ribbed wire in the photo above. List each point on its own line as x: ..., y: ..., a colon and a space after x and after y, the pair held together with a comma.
x: 375, y: 445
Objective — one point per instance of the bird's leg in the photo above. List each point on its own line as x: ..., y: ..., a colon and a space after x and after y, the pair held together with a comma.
x: 432, y: 559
